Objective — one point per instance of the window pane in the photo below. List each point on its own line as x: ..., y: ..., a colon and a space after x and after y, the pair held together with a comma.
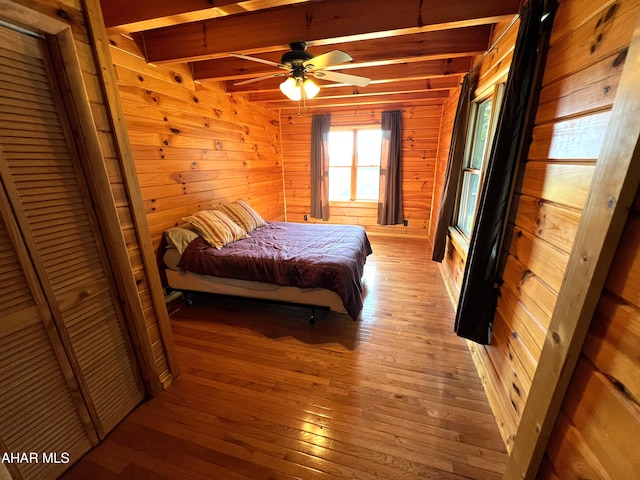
x: 470, y: 182
x: 340, y: 148
x: 480, y: 135
x: 340, y: 183
x: 367, y: 167
x: 368, y: 183
x: 369, y: 143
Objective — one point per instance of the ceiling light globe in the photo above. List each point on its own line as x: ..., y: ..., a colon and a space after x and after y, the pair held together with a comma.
x: 291, y: 89
x: 310, y: 89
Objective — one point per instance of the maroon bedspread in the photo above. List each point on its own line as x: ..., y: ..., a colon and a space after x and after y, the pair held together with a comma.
x: 299, y: 254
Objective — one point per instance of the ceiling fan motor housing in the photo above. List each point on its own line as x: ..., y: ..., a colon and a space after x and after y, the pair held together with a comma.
x: 297, y: 56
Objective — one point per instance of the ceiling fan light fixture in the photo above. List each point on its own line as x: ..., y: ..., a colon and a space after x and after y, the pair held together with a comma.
x: 301, y: 63
x: 295, y: 88
x: 291, y: 89
x: 310, y: 88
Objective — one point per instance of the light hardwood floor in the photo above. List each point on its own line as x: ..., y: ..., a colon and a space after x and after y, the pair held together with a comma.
x: 265, y: 395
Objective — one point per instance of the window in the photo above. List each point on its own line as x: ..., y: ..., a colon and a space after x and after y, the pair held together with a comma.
x: 354, y: 164
x: 481, y: 128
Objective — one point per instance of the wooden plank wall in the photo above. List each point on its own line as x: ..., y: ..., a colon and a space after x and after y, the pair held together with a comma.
x: 72, y: 12
x: 442, y: 157
x: 420, y: 136
x: 193, y: 145
x: 491, y: 70
x: 584, y: 64
x: 579, y: 85
x: 597, y: 432
x: 448, y: 268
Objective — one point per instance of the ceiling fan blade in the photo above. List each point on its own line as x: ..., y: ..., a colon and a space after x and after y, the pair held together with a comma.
x: 257, y: 79
x: 260, y: 60
x: 342, y: 78
x: 334, y: 57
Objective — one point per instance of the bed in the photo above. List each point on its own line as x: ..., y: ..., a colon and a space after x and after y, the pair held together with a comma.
x: 317, y: 265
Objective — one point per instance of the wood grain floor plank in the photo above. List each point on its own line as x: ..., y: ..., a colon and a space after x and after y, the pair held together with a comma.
x: 265, y: 395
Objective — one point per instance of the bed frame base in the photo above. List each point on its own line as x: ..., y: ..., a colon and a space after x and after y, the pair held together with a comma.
x: 188, y: 299
x: 315, y: 298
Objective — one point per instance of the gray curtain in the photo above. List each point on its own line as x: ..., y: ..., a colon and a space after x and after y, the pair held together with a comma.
x: 454, y: 168
x: 480, y: 283
x: 390, y: 197
x: 320, y: 126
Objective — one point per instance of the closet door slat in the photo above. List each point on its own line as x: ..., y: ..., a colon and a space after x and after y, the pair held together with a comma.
x: 39, y: 412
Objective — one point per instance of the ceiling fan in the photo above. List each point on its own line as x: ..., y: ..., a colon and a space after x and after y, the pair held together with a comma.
x: 301, y: 64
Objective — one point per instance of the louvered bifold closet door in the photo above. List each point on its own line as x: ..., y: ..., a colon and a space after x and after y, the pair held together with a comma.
x: 40, y: 407
x: 48, y: 192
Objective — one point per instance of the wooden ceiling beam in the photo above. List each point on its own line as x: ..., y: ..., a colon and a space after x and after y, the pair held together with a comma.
x: 360, y: 114
x: 125, y: 16
x: 380, y: 74
x: 416, y: 70
x: 122, y: 13
x: 381, y: 89
x: 333, y: 90
x: 468, y: 41
x: 420, y: 98
x: 317, y: 23
x: 365, y: 114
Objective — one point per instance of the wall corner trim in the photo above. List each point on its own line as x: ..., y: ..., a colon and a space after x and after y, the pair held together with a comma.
x: 107, y: 76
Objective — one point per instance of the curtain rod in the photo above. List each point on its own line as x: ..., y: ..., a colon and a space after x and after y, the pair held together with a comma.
x: 493, y: 45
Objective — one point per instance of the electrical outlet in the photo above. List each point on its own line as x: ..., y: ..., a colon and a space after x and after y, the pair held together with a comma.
x: 306, y: 217
x: 405, y: 222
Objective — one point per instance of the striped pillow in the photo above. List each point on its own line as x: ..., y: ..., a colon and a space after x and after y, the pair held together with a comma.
x: 216, y: 228
x: 243, y: 214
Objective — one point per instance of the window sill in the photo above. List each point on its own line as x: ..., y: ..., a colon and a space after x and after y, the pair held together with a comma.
x: 459, y: 242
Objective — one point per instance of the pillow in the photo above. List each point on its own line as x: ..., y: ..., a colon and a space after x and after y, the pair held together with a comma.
x: 243, y: 214
x: 215, y: 227
x: 180, y: 237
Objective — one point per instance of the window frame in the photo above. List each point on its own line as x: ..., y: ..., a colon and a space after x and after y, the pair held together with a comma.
x: 495, y: 95
x: 353, y: 188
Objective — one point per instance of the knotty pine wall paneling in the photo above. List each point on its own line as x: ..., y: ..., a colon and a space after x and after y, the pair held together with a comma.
x: 193, y: 145
x: 420, y: 136
x: 585, y: 60
x: 568, y: 134
x: 450, y: 267
x: 105, y: 108
x: 597, y: 432
x: 490, y: 70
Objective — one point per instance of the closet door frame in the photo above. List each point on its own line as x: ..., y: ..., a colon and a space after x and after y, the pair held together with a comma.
x: 77, y: 106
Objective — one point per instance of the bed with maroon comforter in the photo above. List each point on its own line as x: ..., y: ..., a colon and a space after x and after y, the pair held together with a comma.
x: 306, y: 256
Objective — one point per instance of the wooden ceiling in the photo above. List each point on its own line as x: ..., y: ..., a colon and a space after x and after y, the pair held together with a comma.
x: 414, y: 51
